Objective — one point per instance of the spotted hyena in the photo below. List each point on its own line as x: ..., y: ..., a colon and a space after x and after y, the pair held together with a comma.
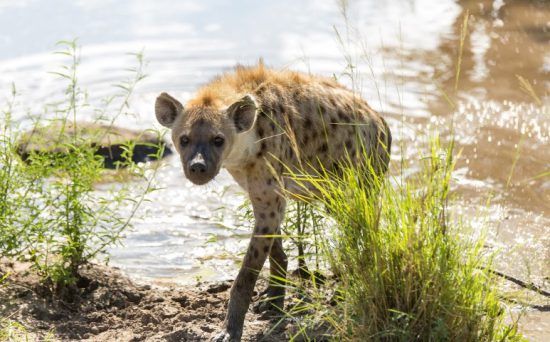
x: 259, y: 123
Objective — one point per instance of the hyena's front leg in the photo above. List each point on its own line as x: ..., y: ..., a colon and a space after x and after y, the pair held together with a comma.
x: 269, y: 208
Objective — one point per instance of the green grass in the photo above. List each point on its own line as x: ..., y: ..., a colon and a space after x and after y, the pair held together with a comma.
x: 404, y: 269
x: 16, y: 332
x: 50, y: 211
x: 13, y: 331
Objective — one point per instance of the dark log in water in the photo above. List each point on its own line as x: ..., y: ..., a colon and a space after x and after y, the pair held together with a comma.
x: 109, y: 142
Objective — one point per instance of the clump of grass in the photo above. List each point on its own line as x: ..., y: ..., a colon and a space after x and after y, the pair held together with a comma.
x: 404, y: 272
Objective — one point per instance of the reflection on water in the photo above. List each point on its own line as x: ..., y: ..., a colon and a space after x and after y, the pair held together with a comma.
x: 408, y: 56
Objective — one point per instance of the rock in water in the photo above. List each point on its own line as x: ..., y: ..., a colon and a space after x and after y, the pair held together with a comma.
x: 110, y: 142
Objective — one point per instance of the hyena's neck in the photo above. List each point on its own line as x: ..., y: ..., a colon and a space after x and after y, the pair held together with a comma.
x: 243, y: 150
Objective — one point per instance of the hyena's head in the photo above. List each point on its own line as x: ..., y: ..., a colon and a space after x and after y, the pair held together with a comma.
x: 204, y: 135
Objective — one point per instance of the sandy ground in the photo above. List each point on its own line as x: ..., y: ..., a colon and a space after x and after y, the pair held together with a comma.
x: 107, y: 306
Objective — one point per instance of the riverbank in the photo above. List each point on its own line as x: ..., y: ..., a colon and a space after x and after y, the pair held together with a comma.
x: 107, y: 306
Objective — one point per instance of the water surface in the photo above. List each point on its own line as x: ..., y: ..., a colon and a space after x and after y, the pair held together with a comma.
x: 407, y: 56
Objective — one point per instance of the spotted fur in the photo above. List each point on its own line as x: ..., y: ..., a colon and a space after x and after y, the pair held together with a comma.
x: 300, y: 123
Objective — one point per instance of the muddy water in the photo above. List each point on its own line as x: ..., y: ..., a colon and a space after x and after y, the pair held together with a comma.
x: 407, y: 58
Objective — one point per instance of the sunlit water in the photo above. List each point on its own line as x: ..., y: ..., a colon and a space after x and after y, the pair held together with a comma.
x: 407, y: 59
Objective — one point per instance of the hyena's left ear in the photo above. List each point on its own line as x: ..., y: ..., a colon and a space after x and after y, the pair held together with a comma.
x: 167, y: 109
x: 243, y: 113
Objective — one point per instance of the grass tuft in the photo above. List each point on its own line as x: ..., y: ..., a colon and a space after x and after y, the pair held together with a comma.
x: 403, y: 271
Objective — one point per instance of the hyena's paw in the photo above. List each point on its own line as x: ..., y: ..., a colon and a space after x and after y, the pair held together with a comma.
x: 270, y: 303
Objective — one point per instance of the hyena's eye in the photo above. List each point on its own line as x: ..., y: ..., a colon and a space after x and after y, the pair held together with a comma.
x: 184, y: 140
x: 218, y: 141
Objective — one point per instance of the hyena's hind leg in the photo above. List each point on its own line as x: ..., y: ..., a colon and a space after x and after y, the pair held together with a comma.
x: 272, y: 299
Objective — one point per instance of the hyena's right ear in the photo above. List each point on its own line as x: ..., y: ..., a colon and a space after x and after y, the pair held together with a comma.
x: 167, y: 109
x: 243, y: 113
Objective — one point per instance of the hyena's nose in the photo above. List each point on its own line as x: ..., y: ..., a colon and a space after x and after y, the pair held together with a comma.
x: 198, y: 168
x: 197, y: 165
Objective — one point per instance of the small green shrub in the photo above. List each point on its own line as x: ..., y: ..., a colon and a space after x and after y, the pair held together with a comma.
x: 50, y: 211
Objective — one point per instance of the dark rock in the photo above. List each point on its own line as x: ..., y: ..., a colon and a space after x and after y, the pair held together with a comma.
x: 219, y: 287
x: 133, y: 296
x: 110, y: 142
x: 183, y: 300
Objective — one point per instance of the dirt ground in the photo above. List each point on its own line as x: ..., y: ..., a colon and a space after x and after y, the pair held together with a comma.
x: 109, y: 307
